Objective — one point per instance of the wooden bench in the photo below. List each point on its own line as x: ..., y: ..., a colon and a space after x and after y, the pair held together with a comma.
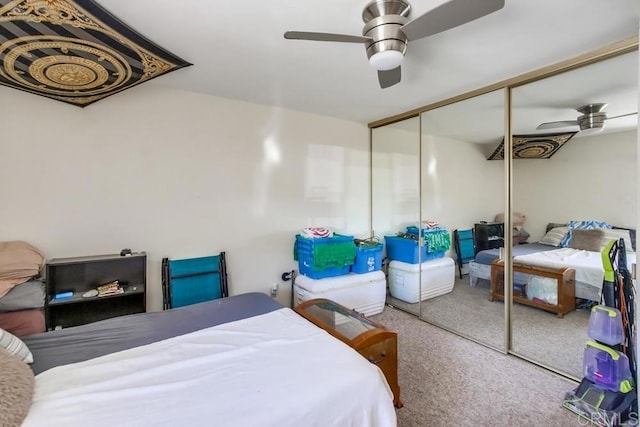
x: 566, y: 289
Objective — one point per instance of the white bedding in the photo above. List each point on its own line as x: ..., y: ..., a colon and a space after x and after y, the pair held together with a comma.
x: 275, y: 369
x: 587, y: 264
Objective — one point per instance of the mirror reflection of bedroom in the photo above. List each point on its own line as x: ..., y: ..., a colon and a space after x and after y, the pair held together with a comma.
x: 567, y: 180
x: 588, y: 183
x: 460, y: 188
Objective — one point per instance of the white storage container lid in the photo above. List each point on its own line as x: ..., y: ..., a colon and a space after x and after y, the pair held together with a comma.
x: 432, y: 263
x: 348, y: 280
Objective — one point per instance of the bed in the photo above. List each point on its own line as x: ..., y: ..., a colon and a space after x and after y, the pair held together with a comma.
x: 22, y: 308
x: 589, y: 273
x: 480, y: 267
x: 243, y: 361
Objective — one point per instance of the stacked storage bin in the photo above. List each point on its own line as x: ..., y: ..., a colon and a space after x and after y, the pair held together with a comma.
x: 368, y: 256
x: 338, y: 269
x: 323, y: 257
x: 412, y: 282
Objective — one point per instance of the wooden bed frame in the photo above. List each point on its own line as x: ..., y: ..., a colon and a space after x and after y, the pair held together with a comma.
x: 565, y: 278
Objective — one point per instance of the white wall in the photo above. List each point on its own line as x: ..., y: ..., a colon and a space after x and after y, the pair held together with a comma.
x: 589, y: 178
x: 178, y: 174
x: 592, y: 177
x: 460, y: 187
x: 395, y: 160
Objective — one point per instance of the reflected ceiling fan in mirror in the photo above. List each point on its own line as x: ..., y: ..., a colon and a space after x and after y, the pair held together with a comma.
x: 592, y: 117
x: 387, y: 30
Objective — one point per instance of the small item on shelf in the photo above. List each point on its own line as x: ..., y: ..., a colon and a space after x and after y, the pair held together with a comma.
x: 63, y: 295
x: 111, y: 288
x: 90, y: 293
x: 115, y: 291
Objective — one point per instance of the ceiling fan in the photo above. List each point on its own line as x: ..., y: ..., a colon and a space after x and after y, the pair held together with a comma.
x: 387, y: 30
x: 592, y: 116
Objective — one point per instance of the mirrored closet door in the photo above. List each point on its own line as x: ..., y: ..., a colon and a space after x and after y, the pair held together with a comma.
x: 565, y: 171
x: 574, y: 168
x: 462, y: 191
x: 395, y: 195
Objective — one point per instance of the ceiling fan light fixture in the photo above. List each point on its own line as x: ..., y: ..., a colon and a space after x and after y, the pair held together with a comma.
x: 386, y: 60
x: 591, y: 131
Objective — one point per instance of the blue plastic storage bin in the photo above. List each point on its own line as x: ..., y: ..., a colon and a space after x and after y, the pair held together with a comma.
x: 333, y: 263
x: 368, y: 258
x: 306, y: 269
x: 412, y: 229
x: 406, y: 250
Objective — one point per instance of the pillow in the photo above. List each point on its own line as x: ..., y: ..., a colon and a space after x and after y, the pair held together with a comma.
x: 30, y: 294
x: 16, y: 388
x: 587, y: 240
x: 616, y: 234
x: 15, y: 346
x: 554, y: 236
x: 582, y: 225
x: 555, y: 224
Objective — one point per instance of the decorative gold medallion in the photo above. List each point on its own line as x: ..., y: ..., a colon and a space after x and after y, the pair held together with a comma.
x: 74, y: 51
x: 533, y: 146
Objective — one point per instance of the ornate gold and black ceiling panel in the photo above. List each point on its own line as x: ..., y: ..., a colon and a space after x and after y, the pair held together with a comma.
x: 74, y: 51
x: 533, y: 146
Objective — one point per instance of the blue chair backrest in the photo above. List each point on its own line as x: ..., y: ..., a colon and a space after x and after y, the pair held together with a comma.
x: 466, y: 244
x: 195, y: 280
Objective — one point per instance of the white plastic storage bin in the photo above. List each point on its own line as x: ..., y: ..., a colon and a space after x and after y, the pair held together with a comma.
x: 438, y: 276
x: 364, y: 293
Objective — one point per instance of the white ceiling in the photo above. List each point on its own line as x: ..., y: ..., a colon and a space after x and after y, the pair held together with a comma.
x: 481, y: 119
x: 238, y: 49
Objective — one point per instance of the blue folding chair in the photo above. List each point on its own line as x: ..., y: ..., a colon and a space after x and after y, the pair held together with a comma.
x: 465, y: 247
x: 193, y: 280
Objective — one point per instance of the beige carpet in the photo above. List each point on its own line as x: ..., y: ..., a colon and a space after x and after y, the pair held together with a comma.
x: 447, y: 380
x: 536, y: 334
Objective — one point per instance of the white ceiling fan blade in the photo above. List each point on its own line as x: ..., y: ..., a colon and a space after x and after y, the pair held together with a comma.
x: 325, y: 37
x: 389, y: 77
x: 553, y: 125
x: 622, y: 115
x: 449, y: 15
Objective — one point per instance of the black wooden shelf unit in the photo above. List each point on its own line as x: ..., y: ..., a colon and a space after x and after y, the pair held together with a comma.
x: 78, y: 275
x: 489, y: 235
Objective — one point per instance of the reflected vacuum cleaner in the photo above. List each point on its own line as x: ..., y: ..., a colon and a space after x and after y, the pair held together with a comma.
x: 607, y: 395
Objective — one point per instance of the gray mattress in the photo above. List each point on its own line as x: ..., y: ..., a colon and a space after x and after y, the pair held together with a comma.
x: 85, y: 342
x: 489, y: 255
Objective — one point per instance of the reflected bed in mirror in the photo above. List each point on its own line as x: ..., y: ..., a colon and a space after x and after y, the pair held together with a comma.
x: 591, y: 180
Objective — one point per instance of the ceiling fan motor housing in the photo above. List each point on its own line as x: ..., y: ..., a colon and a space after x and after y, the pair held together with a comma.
x: 383, y: 20
x: 592, y: 116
